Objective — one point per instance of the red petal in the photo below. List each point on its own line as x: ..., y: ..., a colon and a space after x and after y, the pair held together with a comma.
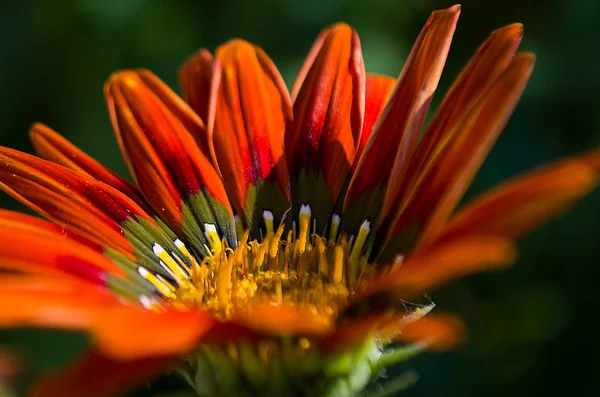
x: 75, y: 201
x: 492, y: 57
x: 37, y: 248
x: 440, y: 264
x: 51, y: 146
x: 252, y: 107
x: 329, y: 104
x: 195, y: 77
x: 95, y: 375
x: 394, y: 140
x: 154, y: 128
x: 520, y: 205
x: 118, y: 330
x: 479, y: 128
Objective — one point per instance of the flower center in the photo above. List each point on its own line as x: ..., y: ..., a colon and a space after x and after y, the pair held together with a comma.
x: 297, y: 267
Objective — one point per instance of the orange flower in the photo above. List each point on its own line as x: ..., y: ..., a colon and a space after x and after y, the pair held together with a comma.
x: 271, y: 241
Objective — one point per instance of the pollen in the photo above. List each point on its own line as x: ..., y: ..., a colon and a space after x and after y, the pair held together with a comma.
x: 296, y: 266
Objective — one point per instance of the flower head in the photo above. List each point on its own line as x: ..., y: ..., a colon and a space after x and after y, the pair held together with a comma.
x: 272, y: 241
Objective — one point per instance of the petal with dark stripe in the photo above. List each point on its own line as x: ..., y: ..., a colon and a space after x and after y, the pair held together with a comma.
x: 52, y: 146
x: 385, y: 158
x: 492, y: 57
x: 446, y: 182
x: 155, y: 130
x: 35, y: 246
x: 518, y: 206
x: 329, y: 106
x: 439, y: 265
x: 73, y: 200
x: 251, y: 109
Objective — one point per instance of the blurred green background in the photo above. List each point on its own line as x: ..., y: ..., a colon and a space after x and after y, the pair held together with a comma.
x: 532, y: 328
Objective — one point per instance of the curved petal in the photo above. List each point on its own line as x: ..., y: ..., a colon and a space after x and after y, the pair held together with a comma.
x: 518, y: 206
x: 195, y: 77
x: 118, y: 330
x: 490, y: 60
x: 445, y: 183
x: 154, y: 129
x: 395, y: 137
x: 52, y: 146
x: 251, y: 109
x: 34, y: 249
x: 94, y: 375
x: 438, y: 265
x: 73, y: 200
x: 329, y: 106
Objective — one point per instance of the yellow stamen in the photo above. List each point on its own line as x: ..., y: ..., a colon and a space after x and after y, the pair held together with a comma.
x: 268, y: 218
x: 213, y: 238
x: 170, y: 265
x: 338, y: 264
x: 334, y: 228
x: 152, y: 279
x: 179, y: 244
x: 305, y: 215
x: 355, y: 255
x: 275, y: 242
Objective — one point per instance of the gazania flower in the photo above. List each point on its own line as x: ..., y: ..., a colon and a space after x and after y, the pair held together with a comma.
x: 271, y: 242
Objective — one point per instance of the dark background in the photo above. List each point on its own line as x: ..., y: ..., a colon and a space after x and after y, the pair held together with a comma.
x: 533, y: 328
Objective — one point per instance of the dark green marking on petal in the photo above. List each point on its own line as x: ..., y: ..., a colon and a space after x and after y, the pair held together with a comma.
x: 265, y: 195
x: 366, y: 207
x: 200, y: 209
x: 134, y: 286
x: 400, y: 243
x: 310, y: 187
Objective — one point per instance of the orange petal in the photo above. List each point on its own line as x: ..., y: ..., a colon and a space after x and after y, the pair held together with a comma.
x: 440, y: 264
x: 95, y: 375
x: 73, y: 200
x: 436, y: 331
x: 128, y: 333
x: 329, y: 106
x: 252, y: 108
x: 592, y: 159
x: 195, y: 77
x: 379, y: 89
x: 474, y: 136
x: 395, y: 137
x: 51, y: 146
x: 22, y: 221
x: 33, y: 249
x: 520, y: 205
x: 492, y: 57
x: 117, y: 330
x: 50, y: 302
x: 154, y: 128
